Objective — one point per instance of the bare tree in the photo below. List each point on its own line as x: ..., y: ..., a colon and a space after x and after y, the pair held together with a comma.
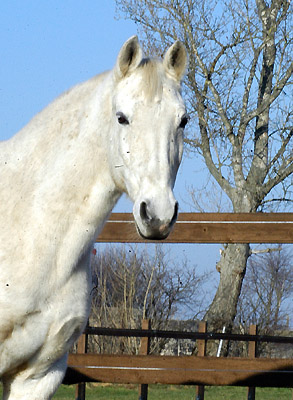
x: 266, y: 298
x: 131, y: 284
x: 239, y: 92
x: 267, y: 292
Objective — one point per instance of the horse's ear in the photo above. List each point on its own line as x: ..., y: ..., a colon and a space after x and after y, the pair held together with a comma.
x: 129, y: 57
x: 175, y: 61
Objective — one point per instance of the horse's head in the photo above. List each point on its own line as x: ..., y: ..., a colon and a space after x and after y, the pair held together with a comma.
x: 148, y: 119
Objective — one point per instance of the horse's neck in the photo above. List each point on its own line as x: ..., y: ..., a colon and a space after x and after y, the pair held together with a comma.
x: 61, y: 171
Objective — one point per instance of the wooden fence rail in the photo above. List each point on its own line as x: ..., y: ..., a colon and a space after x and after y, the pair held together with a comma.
x: 209, y: 228
x: 179, y: 370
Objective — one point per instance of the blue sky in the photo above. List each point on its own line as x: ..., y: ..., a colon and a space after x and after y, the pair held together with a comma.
x: 48, y: 46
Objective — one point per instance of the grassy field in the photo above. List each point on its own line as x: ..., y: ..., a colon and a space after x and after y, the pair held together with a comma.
x: 161, y: 392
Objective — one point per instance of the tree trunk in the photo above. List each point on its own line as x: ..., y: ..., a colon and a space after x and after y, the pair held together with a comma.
x: 231, y: 266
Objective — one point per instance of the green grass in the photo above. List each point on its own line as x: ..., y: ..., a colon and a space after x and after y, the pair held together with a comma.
x: 161, y: 392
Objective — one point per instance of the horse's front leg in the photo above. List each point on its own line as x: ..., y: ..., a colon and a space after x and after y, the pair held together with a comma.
x: 29, y: 385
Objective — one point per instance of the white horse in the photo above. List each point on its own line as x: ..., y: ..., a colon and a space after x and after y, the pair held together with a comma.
x: 60, y: 177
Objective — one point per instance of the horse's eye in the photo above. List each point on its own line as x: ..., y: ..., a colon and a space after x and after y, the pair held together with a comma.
x: 184, y: 121
x: 122, y: 118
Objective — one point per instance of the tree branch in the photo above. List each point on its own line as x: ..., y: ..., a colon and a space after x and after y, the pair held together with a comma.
x: 243, y: 120
x: 278, y: 88
x: 285, y: 170
x: 264, y: 251
x: 281, y: 150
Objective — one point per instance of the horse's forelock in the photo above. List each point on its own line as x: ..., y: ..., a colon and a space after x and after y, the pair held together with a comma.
x: 152, y: 78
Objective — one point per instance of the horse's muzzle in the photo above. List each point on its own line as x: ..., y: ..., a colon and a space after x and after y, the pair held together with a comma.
x: 153, y: 228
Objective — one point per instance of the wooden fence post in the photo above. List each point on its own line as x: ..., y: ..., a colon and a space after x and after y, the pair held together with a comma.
x: 251, y: 354
x: 144, y: 350
x: 81, y: 349
x: 201, y: 346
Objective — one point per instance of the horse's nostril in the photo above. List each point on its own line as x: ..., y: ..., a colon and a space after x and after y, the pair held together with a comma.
x: 175, y: 215
x: 143, y: 212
